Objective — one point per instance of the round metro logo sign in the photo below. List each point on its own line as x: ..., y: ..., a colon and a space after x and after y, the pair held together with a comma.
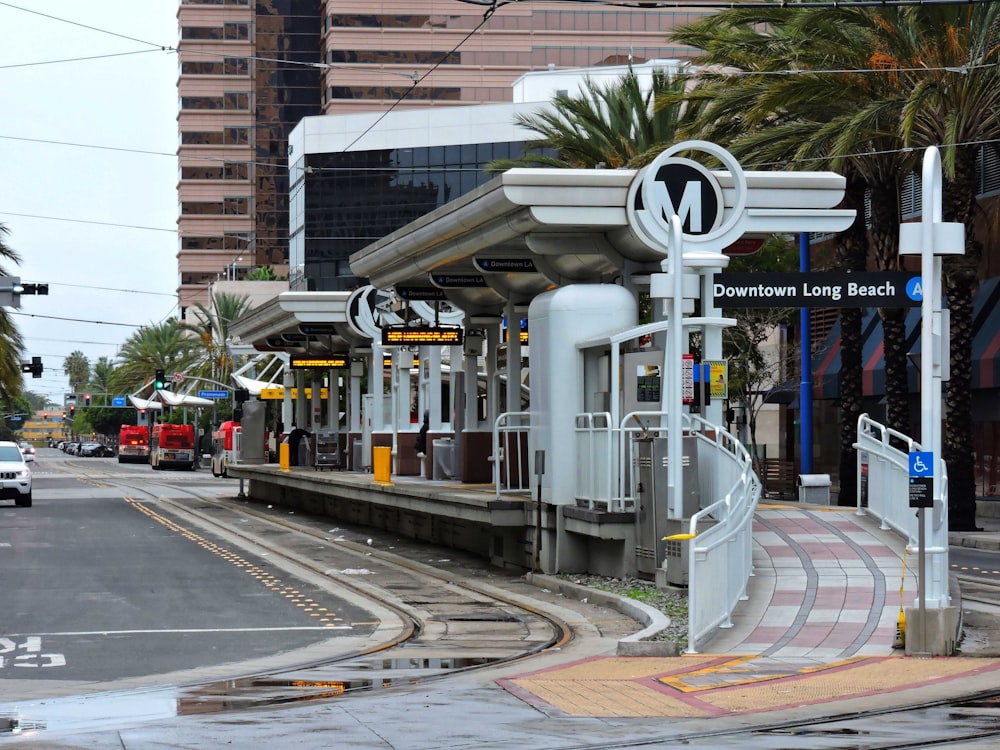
x: 688, y: 190
x: 673, y: 185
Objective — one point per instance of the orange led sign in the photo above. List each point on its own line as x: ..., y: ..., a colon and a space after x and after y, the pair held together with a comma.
x: 403, y: 335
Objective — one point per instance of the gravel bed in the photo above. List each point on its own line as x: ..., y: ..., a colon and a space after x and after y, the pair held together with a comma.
x: 672, y: 602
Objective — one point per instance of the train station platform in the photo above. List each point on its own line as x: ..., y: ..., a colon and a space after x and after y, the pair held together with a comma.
x: 821, y: 623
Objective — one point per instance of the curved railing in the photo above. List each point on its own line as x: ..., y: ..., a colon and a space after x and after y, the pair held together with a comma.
x: 884, y: 492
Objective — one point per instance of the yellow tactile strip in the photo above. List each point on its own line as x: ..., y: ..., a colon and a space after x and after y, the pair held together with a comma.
x: 608, y: 687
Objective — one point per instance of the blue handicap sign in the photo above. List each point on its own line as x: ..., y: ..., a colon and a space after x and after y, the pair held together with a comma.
x: 921, y: 464
x: 118, y: 401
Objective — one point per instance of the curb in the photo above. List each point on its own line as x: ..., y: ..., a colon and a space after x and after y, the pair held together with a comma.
x: 637, y: 644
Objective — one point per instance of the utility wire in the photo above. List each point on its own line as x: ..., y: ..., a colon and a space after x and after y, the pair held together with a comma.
x: 87, y: 221
x: 75, y: 59
x: 75, y: 320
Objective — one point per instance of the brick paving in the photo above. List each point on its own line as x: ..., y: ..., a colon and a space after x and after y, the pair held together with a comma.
x: 820, y: 625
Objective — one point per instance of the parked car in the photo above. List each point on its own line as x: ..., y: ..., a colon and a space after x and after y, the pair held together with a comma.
x: 27, y: 450
x: 95, y: 450
x: 15, y: 476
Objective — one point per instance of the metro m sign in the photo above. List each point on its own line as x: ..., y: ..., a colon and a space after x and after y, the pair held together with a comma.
x: 688, y: 190
x: 717, y: 208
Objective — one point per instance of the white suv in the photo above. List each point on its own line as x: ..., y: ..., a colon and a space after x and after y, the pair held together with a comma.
x: 15, y: 476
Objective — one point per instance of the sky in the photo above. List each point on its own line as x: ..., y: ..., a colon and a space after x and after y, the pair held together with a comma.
x: 88, y: 173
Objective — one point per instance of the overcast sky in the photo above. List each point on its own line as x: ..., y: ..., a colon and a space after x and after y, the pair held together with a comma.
x: 97, y: 224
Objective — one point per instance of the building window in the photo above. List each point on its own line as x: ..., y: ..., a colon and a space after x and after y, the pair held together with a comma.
x: 235, y: 170
x: 236, y: 32
x: 236, y: 66
x: 239, y: 101
x: 201, y: 33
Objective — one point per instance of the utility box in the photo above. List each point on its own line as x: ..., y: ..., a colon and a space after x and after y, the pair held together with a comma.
x: 814, y: 489
x: 444, y: 458
x: 651, y: 512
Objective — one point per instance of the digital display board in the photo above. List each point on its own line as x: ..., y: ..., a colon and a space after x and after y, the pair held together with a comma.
x: 420, y: 335
x: 302, y: 361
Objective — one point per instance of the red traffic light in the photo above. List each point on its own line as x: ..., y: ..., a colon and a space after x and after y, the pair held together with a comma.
x: 45, y: 415
x: 86, y: 399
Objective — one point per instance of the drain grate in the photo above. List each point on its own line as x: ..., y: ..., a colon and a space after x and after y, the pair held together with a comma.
x: 481, y: 617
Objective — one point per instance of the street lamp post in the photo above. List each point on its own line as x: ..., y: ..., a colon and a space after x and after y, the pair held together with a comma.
x: 231, y: 269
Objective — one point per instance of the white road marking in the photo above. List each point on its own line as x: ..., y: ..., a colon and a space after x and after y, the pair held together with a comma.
x: 188, y: 630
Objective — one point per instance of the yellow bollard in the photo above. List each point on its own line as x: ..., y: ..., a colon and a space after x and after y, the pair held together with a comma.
x: 283, y: 461
x: 382, y: 462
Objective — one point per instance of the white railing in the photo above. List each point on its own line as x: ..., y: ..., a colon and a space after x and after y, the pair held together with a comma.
x: 884, y: 477
x: 720, y: 559
x: 884, y: 480
x: 511, y: 468
x: 720, y: 547
x: 595, y: 460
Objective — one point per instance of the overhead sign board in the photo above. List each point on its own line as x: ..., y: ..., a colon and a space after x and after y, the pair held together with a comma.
x: 818, y: 289
x: 318, y: 329
x: 118, y: 401
x: 213, y: 394
x: 306, y: 361
x: 428, y: 293
x: 457, y: 281
x: 504, y: 265
x: 271, y: 394
x: 419, y: 335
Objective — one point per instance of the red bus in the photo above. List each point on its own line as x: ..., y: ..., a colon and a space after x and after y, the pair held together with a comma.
x: 171, y: 446
x: 133, y: 444
x: 225, y: 448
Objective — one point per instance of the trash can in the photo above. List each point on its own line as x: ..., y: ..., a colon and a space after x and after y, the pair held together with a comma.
x: 814, y: 489
x: 444, y: 458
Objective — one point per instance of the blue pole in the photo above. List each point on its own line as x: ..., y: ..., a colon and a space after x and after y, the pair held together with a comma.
x: 805, y: 385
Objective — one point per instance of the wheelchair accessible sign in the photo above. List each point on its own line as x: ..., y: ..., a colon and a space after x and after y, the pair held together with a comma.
x: 921, y: 479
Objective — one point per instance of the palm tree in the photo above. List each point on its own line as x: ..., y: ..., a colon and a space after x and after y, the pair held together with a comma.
x: 613, y: 125
x: 956, y: 104
x: 854, y: 118
x: 11, y: 342
x: 932, y: 78
x: 77, y: 369
x: 163, y: 346
x: 212, y: 330
x: 99, y: 380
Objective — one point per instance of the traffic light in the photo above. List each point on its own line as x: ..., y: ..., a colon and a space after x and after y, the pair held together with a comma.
x: 34, y: 367
x: 86, y: 399
x: 45, y: 416
x: 72, y: 410
x: 160, y: 381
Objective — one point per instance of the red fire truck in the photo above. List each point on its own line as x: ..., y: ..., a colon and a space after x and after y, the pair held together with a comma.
x: 133, y: 444
x: 225, y: 448
x: 171, y: 446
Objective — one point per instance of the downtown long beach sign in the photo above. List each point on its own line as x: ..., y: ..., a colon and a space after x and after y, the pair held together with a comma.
x: 818, y: 289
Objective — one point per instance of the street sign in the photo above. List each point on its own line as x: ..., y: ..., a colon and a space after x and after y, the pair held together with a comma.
x: 178, y: 377
x: 118, y: 401
x: 687, y: 379
x: 213, y: 394
x: 921, y: 479
x: 818, y: 289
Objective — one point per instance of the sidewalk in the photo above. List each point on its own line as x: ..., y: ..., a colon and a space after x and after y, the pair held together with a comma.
x: 819, y: 627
